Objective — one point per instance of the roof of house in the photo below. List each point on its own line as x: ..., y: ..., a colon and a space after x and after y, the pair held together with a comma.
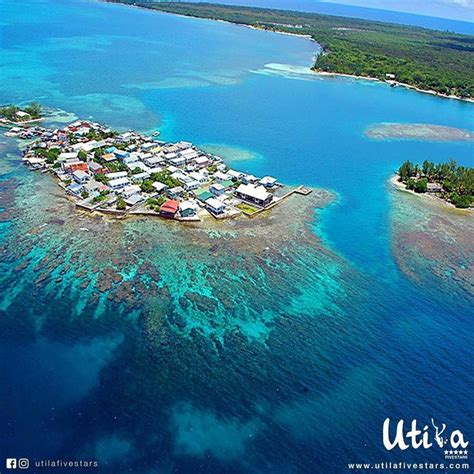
x: 134, y: 199
x: 171, y: 206
x: 176, y: 189
x: 204, y: 195
x: 159, y: 186
x: 132, y: 189
x: 119, y: 182
x: 95, y: 166
x: 77, y: 167
x: 117, y: 174
x: 80, y: 174
x: 109, y: 157
x: 185, y: 205
x: 215, y: 203
x: 256, y: 192
x: 221, y: 176
x: 227, y: 184
x: 268, y: 180
x: 217, y: 186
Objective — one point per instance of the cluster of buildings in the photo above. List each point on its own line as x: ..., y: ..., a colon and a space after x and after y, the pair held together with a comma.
x: 132, y: 173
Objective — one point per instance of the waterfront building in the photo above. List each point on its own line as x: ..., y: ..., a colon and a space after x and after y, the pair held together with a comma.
x: 254, y: 194
x: 169, y: 209
x: 187, y: 209
x: 215, y: 206
x: 268, y: 181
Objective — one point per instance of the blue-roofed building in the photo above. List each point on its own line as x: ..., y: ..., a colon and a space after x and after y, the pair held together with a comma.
x: 121, y: 154
x: 74, y: 188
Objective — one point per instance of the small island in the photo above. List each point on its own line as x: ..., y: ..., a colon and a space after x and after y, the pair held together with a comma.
x: 448, y: 181
x: 129, y: 173
x: 12, y: 114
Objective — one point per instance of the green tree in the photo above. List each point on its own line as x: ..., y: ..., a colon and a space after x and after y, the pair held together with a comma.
x: 34, y: 110
x: 406, y: 170
x: 121, y: 205
x: 147, y: 186
x: 421, y: 186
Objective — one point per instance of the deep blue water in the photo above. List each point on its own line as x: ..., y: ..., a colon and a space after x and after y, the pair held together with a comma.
x: 337, y: 343
x: 352, y: 11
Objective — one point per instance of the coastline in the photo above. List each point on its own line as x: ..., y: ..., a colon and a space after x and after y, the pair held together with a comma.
x: 399, y: 186
x: 397, y: 84
x: 313, y: 66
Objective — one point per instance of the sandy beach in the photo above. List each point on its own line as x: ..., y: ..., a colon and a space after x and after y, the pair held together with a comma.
x: 393, y: 181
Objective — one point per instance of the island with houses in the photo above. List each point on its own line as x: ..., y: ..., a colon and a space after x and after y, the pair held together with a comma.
x: 447, y: 181
x: 12, y: 114
x: 130, y: 173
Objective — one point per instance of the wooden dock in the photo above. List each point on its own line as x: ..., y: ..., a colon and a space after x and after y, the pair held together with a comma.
x: 304, y: 191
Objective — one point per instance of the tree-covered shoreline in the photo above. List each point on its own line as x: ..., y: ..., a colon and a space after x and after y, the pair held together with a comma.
x: 415, y: 56
x: 449, y: 181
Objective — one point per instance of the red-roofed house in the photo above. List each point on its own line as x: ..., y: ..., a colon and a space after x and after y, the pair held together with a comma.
x: 75, y: 166
x: 169, y: 209
x: 78, y: 167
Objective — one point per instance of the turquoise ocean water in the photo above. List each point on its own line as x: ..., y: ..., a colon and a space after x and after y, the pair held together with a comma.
x: 268, y: 348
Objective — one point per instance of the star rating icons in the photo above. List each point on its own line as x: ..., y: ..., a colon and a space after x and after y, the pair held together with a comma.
x: 455, y: 452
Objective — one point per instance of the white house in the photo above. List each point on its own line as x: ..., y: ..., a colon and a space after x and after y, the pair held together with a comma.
x: 217, y: 189
x: 187, y: 208
x: 188, y: 154
x: 116, y: 175
x: 180, y: 177
x: 132, y: 158
x: 80, y: 176
x: 136, y: 178
x: 249, y: 178
x: 201, y: 177
x: 175, y: 192
x: 234, y: 174
x: 179, y: 161
x: 67, y: 156
x: 119, y: 183
x: 215, y: 206
x: 220, y: 176
x: 134, y: 199
x: 192, y: 185
x: 159, y: 187
x: 153, y: 161
x: 201, y: 161
x: 268, y: 181
x: 130, y: 190
x: 254, y: 194
x: 170, y: 156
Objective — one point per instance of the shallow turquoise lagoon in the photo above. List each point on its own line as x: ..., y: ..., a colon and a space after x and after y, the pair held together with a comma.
x: 232, y: 349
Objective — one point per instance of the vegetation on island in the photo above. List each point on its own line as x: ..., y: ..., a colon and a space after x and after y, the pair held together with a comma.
x: 448, y: 180
x: 426, y: 59
x: 14, y: 113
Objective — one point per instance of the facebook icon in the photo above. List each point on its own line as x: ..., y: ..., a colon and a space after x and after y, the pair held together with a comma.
x: 11, y: 463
